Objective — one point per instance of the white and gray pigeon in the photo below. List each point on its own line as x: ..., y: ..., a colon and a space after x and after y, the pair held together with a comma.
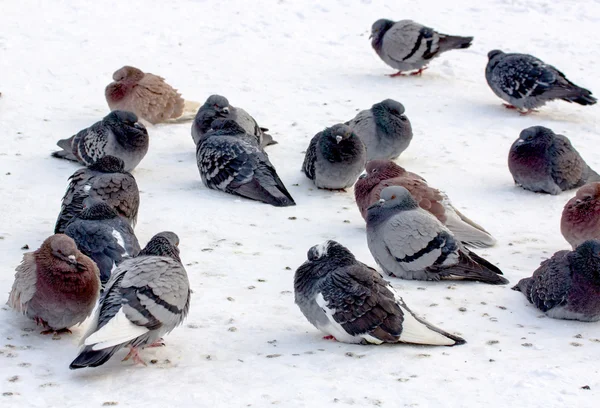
x: 567, y: 286
x: 218, y: 107
x: 527, y: 83
x: 351, y: 302
x: 384, y: 129
x: 409, y: 242
x: 103, y: 180
x: 119, y: 134
x: 406, y: 45
x: 231, y: 160
x: 335, y: 158
x: 103, y: 235
x: 145, y: 298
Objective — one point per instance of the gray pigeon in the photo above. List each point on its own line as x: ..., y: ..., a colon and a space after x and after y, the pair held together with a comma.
x: 335, y: 158
x: 103, y: 235
x: 145, y: 298
x: 57, y: 286
x: 544, y: 162
x: 351, y: 302
x: 526, y: 82
x: 218, y: 107
x: 231, y: 160
x: 410, y: 243
x: 384, y: 129
x: 406, y: 45
x: 103, y: 180
x: 567, y: 286
x: 119, y: 134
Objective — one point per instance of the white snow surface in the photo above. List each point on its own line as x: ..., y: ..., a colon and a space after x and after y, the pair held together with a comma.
x: 297, y: 67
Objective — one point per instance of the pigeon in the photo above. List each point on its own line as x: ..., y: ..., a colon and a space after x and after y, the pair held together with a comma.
x: 567, y: 286
x: 526, y: 82
x: 57, y: 286
x: 218, y: 107
x: 410, y: 243
x: 581, y: 216
x: 384, y: 173
x: 406, y: 45
x: 145, y: 298
x: 544, y: 162
x: 148, y: 96
x: 103, y: 235
x: 231, y: 160
x: 119, y: 134
x: 384, y: 129
x: 351, y: 302
x: 335, y: 158
x: 105, y: 180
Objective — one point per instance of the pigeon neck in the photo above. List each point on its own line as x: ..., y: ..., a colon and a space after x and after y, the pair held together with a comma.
x: 130, y: 136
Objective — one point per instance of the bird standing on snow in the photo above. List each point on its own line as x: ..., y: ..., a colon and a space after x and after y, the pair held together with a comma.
x: 384, y: 173
x: 544, y: 162
x: 231, y: 160
x: 218, y: 107
x: 567, y: 286
x: 103, y: 236
x: 526, y: 82
x: 352, y: 303
x: 581, y: 216
x: 406, y: 45
x: 410, y: 243
x: 384, y: 129
x: 103, y: 180
x: 145, y: 298
x: 119, y: 134
x: 57, y: 286
x: 334, y: 158
x: 148, y: 96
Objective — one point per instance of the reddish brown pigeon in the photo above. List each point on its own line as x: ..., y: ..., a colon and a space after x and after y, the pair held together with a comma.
x: 581, y: 216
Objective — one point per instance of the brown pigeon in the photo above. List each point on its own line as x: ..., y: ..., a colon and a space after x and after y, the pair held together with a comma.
x: 148, y: 96
x: 384, y: 173
x: 57, y: 286
x: 581, y: 216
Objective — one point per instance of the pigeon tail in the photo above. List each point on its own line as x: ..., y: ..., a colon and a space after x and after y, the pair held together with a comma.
x: 473, y: 267
x: 63, y: 154
x: 452, y: 42
x: 579, y: 95
x: 190, y: 109
x: 93, y: 358
x: 277, y: 196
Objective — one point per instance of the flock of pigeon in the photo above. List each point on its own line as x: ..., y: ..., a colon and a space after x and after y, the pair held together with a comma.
x: 413, y: 231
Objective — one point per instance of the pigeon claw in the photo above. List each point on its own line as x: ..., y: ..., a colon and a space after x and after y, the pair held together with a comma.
x: 157, y: 343
x: 329, y: 337
x: 56, y: 332
x: 418, y: 72
x: 399, y: 73
x: 134, y: 355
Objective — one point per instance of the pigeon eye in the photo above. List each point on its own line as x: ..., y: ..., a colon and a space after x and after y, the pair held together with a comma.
x: 374, y: 171
x: 394, y: 196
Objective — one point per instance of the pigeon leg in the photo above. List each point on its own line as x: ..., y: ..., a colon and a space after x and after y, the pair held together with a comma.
x: 133, y: 354
x: 419, y: 72
x: 157, y: 343
x: 56, y: 332
x: 330, y: 337
x: 399, y: 73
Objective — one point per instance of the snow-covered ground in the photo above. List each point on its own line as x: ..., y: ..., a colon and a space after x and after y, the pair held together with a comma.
x: 297, y: 67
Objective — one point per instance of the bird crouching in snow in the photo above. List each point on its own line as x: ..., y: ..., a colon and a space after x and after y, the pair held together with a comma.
x: 580, y: 219
x: 119, y: 134
x: 334, y: 158
x: 410, y: 243
x: 527, y: 83
x: 231, y: 160
x: 567, y: 286
x: 145, y: 298
x: 148, y: 96
x: 57, y: 286
x: 385, y: 173
x: 406, y: 45
x: 351, y: 302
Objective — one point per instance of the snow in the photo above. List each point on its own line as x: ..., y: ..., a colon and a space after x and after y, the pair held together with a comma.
x: 296, y: 67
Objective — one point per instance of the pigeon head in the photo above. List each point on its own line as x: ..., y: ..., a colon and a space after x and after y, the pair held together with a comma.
x: 108, y: 164
x: 376, y: 172
x: 535, y: 137
x: 163, y: 244
x: 126, y: 128
x: 394, y: 199
x: 323, y: 259
x: 378, y: 30
x: 588, y: 192
x: 128, y: 73
x: 228, y: 126
x: 95, y: 209
x: 585, y: 261
x: 494, y: 53
x: 61, y: 247
x: 328, y: 249
x: 339, y: 132
x: 390, y: 106
x: 218, y: 103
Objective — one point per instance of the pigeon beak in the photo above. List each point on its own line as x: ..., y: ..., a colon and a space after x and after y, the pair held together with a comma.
x: 138, y: 125
x: 376, y: 204
x: 362, y: 176
x: 520, y: 141
x: 371, y: 36
x: 381, y: 201
x: 225, y: 110
x: 72, y: 259
x: 338, y: 139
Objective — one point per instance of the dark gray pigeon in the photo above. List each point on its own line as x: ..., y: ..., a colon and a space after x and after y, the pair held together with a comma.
x: 544, y: 162
x: 218, y: 107
x: 384, y: 129
x: 526, y: 82
x: 411, y: 243
x: 335, y: 158
x: 119, y: 134
x: 231, y: 160
x: 103, y: 235
x: 567, y: 286
x: 406, y: 45
x: 351, y: 302
x: 145, y: 298
x: 103, y: 180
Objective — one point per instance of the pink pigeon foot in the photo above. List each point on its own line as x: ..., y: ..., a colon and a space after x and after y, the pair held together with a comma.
x: 133, y: 354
